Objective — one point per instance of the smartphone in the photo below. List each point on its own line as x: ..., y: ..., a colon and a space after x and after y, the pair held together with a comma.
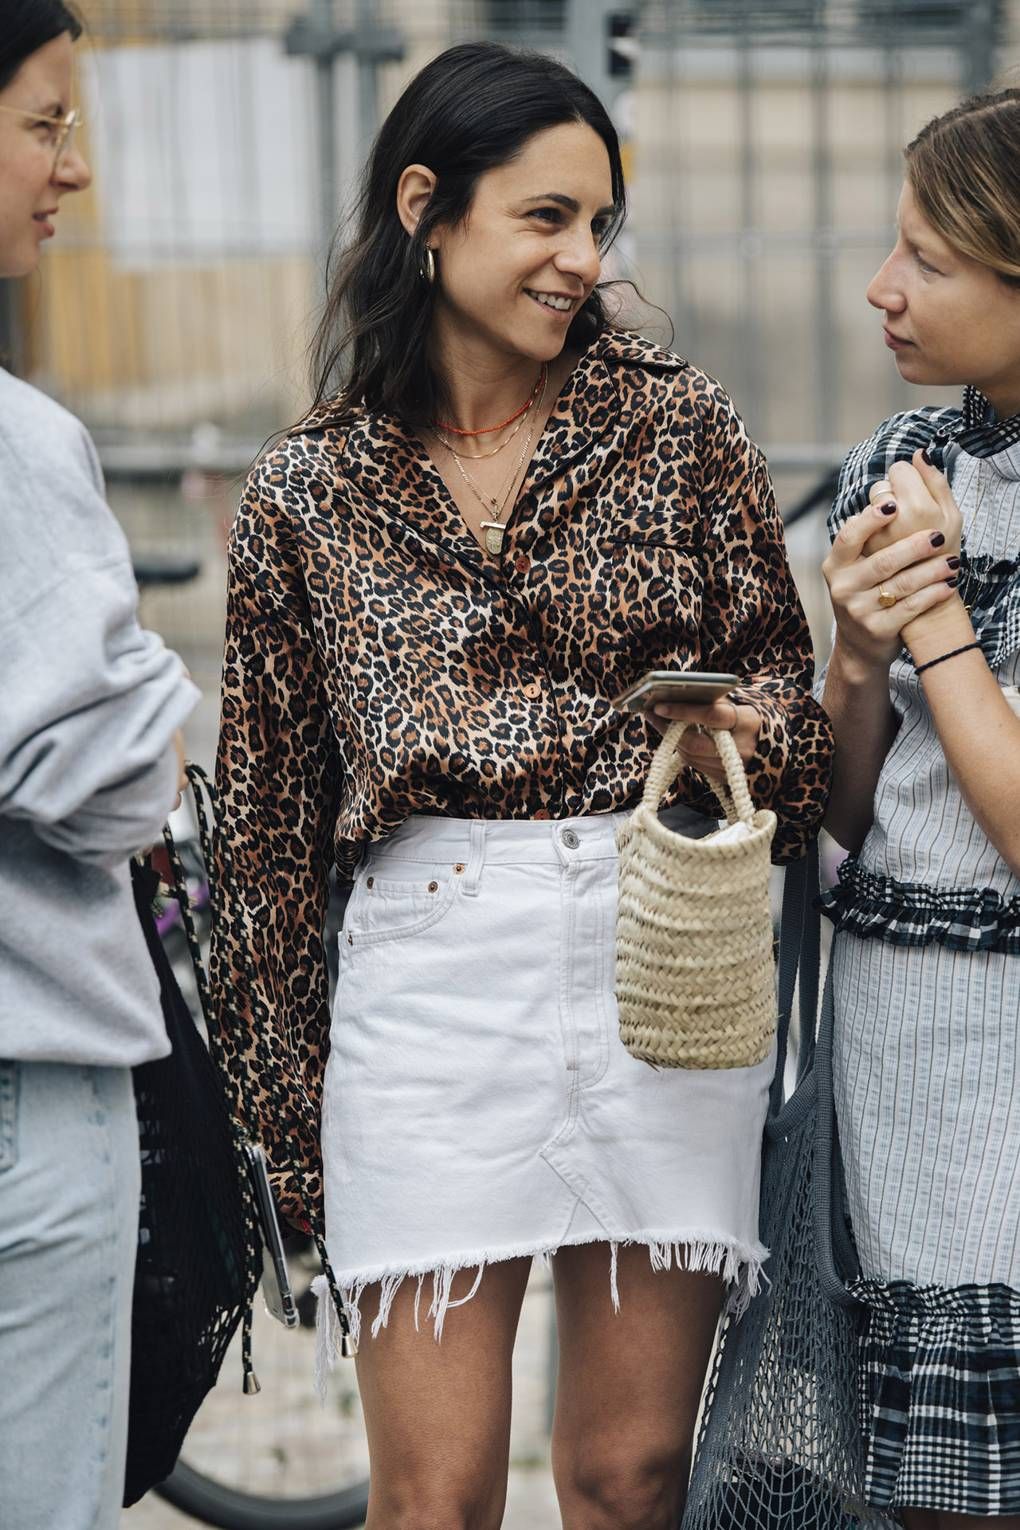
x: 276, y: 1287
x: 673, y: 685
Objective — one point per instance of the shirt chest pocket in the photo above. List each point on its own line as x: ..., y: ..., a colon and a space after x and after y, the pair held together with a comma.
x: 651, y: 594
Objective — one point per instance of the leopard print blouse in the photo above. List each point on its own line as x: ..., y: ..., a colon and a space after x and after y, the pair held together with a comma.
x: 379, y: 664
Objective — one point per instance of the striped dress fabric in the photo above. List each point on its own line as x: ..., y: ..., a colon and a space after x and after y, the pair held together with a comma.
x: 926, y: 964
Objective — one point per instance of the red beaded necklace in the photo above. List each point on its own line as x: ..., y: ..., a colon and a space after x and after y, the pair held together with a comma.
x: 488, y: 430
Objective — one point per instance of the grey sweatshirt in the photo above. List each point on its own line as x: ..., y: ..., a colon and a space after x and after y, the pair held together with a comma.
x: 88, y: 706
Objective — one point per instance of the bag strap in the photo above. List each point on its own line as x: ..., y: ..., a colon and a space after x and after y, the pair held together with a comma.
x: 217, y: 1017
x: 834, y: 1250
x: 799, y: 957
x: 667, y: 764
x: 179, y: 891
x: 800, y: 963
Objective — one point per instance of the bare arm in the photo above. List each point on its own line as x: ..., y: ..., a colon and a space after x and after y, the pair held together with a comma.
x: 856, y: 697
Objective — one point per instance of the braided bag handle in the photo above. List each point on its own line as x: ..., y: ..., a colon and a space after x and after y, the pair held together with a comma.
x: 667, y: 764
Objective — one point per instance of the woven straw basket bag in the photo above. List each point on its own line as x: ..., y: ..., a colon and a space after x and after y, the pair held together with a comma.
x: 694, y: 967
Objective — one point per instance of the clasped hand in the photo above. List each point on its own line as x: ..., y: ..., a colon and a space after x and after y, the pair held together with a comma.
x: 894, y: 562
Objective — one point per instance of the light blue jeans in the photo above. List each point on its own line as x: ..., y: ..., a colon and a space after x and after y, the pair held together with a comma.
x: 69, y: 1189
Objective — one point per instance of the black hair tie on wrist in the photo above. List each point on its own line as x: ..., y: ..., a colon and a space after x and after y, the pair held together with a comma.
x: 944, y: 656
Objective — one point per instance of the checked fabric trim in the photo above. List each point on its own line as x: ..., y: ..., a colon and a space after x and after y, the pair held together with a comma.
x: 948, y: 1361
x: 878, y: 907
x: 990, y: 590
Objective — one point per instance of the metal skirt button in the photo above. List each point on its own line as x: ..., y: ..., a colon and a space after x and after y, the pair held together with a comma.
x: 570, y: 839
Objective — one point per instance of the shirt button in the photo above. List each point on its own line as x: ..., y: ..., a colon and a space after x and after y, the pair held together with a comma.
x: 522, y: 563
x: 540, y: 813
x: 570, y: 839
x: 532, y: 690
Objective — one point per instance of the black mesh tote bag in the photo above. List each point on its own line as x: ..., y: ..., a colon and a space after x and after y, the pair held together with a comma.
x: 199, y: 1248
x: 779, y: 1446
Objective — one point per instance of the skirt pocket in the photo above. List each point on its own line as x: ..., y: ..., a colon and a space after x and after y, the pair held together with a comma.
x: 394, y: 899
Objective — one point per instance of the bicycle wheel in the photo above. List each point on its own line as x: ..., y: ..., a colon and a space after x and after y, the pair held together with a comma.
x: 278, y: 1460
x: 213, y: 1504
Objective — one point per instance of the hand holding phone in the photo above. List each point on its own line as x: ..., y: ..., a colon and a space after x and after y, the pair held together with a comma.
x: 667, y: 685
x: 703, y: 699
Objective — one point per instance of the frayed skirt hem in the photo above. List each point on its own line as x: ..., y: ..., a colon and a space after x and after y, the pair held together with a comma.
x: 739, y: 1264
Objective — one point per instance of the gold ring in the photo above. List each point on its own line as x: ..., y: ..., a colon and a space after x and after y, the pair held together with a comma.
x: 886, y: 599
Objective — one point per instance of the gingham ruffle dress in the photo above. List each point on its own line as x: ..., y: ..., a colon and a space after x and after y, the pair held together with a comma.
x: 927, y: 1051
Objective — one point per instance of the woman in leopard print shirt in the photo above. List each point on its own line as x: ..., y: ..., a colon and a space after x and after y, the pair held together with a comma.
x: 430, y: 708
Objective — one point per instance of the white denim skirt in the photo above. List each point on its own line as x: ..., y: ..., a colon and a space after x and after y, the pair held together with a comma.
x: 478, y: 1102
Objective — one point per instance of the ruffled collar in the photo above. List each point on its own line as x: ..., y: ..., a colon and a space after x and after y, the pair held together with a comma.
x: 976, y: 429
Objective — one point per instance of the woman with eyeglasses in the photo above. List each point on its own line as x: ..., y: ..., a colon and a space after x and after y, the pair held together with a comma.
x: 924, y: 575
x: 90, y: 712
x: 438, y: 582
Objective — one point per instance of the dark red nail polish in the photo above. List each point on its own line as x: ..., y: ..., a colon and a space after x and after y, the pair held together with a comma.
x: 952, y: 583
x: 953, y: 562
x: 889, y: 509
x: 937, y: 539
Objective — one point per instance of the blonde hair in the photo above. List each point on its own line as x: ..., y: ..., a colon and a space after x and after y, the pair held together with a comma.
x: 963, y: 170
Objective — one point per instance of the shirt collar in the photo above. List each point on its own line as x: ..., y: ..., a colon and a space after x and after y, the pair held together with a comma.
x: 383, y: 458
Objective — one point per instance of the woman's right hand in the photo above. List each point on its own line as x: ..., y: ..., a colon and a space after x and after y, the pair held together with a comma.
x: 915, y: 571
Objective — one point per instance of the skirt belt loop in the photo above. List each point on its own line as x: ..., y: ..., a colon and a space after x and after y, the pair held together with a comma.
x: 476, y: 859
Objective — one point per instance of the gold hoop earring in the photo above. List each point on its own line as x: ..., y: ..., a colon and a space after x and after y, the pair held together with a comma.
x: 428, y: 265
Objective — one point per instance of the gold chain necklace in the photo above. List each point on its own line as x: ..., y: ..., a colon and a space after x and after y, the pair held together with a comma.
x: 536, y: 392
x: 481, y: 456
x: 494, y: 530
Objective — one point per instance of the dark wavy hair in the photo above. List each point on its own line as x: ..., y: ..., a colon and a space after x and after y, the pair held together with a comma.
x: 26, y: 26
x: 470, y: 110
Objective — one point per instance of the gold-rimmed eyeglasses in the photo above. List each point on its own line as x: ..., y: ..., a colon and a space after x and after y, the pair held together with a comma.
x: 60, y: 130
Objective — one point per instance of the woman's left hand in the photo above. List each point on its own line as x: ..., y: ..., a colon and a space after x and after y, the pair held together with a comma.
x: 698, y: 750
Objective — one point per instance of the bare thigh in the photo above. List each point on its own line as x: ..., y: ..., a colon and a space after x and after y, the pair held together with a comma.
x: 629, y: 1388
x: 438, y: 1414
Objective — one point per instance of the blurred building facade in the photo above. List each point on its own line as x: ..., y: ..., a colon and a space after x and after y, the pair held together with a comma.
x: 763, y: 143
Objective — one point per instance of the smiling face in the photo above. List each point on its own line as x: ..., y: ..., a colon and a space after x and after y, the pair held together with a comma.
x: 948, y: 318
x: 514, y: 273
x: 31, y: 185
